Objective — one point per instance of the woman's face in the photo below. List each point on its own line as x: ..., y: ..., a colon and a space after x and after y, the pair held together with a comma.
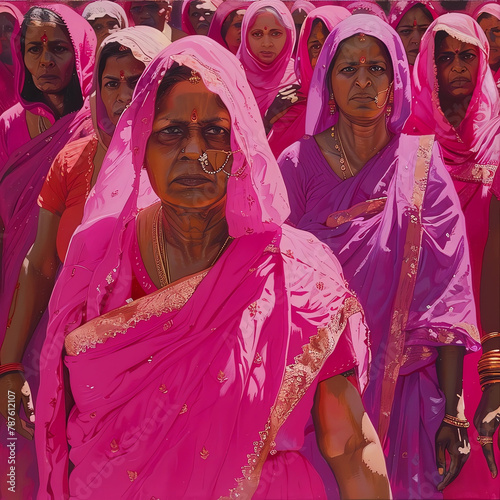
x: 49, y: 57
x: 6, y: 29
x: 233, y: 34
x: 201, y: 13
x: 189, y: 121
x: 118, y: 82
x: 411, y: 29
x: 266, y: 38
x: 103, y: 27
x: 457, y: 65
x: 491, y: 27
x: 361, y: 77
x: 316, y: 41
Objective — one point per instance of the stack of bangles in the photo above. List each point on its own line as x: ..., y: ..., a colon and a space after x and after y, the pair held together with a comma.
x: 11, y: 367
x: 489, y: 363
x: 456, y: 422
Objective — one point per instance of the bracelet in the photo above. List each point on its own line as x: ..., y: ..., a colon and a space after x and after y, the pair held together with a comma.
x: 11, y: 367
x: 489, y: 336
x: 484, y: 440
x: 457, y: 422
x: 489, y: 382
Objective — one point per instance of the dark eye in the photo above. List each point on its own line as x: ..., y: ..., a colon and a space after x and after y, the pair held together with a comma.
x: 98, y: 27
x: 377, y: 68
x: 111, y: 85
x: 316, y: 46
x: 216, y: 131
x: 237, y: 25
x: 60, y: 49
x: 469, y: 56
x: 444, y: 58
x: 196, y: 15
x: 276, y: 33
x: 348, y: 69
x: 405, y: 32
x: 256, y: 34
x: 35, y: 49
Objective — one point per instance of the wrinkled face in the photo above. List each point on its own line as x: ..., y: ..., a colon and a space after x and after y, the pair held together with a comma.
x: 200, y: 15
x: 491, y: 28
x: 189, y: 121
x: 361, y: 77
x: 233, y: 35
x: 118, y: 82
x: 103, y: 27
x: 266, y: 38
x: 49, y: 57
x: 411, y: 29
x: 316, y: 41
x: 457, y: 66
x: 154, y: 14
x: 6, y: 29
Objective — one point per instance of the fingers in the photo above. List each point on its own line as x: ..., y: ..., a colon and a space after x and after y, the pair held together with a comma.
x: 440, y: 458
x: 489, y: 455
x: 27, y: 400
x: 457, y: 461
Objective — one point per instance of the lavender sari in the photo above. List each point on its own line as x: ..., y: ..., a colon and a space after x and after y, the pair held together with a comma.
x: 399, y: 234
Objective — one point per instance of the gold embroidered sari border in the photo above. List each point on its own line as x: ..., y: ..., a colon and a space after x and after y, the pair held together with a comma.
x: 99, y: 330
x: 297, y: 380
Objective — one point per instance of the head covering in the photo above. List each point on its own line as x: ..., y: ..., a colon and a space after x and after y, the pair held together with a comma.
x: 101, y: 8
x: 304, y: 5
x: 473, y: 138
x: 267, y: 79
x: 221, y: 14
x: 145, y: 43
x: 187, y: 27
x: 494, y: 10
x: 401, y: 7
x: 318, y: 116
x: 84, y: 42
x: 330, y: 16
x: 367, y: 7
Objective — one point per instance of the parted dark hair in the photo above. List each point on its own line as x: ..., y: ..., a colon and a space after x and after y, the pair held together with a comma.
x: 438, y: 41
x: 483, y: 16
x: 113, y: 49
x: 73, y: 98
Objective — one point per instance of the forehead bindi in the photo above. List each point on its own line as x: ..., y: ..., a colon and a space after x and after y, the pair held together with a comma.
x: 361, y: 50
x: 456, y: 46
x: 50, y: 32
x: 266, y: 22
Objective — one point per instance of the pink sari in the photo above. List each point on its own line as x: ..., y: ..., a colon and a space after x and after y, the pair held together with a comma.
x: 187, y: 27
x: 221, y: 15
x: 367, y: 7
x: 201, y: 389
x: 472, y: 154
x: 7, y: 82
x: 266, y: 80
x: 399, y: 234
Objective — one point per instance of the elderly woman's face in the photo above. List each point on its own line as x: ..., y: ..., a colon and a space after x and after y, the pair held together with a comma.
x: 266, y: 38
x: 457, y: 65
x: 491, y: 27
x: 49, y: 57
x: 189, y: 121
x: 103, y: 27
x: 411, y: 29
x: 362, y: 77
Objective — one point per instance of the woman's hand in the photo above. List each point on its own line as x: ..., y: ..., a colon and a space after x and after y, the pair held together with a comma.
x: 487, y: 420
x: 455, y: 441
x: 14, y: 390
x: 286, y: 97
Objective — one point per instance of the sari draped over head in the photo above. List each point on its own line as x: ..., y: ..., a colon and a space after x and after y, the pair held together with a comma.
x: 7, y: 81
x: 202, y: 388
x: 221, y: 14
x: 266, y: 80
x: 399, y: 234
x: 101, y: 8
x: 494, y: 10
x: 401, y: 7
x: 367, y: 7
x: 187, y: 27
x: 291, y: 127
x: 304, y: 5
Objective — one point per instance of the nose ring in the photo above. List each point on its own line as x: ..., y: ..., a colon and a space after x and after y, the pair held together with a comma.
x: 183, y: 150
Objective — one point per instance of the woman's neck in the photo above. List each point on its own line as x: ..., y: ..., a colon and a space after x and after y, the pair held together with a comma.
x: 55, y: 103
x: 454, y: 110
x: 362, y: 141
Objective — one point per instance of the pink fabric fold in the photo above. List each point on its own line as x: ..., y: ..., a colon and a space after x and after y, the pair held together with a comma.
x: 266, y: 80
x: 189, y: 389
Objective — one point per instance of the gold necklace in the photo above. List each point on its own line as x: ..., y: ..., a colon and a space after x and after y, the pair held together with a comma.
x: 339, y: 147
x: 160, y: 250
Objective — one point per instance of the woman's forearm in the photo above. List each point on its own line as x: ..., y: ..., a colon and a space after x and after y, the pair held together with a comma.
x: 449, y: 366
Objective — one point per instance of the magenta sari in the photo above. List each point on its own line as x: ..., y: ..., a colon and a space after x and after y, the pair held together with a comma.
x: 366, y: 7
x: 399, y: 234
x: 472, y: 154
x: 187, y: 27
x: 220, y: 16
x: 201, y: 389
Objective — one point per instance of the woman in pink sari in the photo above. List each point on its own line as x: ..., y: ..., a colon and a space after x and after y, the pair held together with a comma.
x: 488, y: 17
x: 10, y: 20
x: 225, y: 27
x: 460, y: 104
x: 196, y: 15
x: 193, y: 362
x: 381, y: 200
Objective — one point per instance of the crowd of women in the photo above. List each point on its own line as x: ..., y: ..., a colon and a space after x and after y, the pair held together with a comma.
x: 250, y: 249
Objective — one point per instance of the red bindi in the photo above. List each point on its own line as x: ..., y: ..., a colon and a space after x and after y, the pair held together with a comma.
x: 194, y: 116
x: 414, y: 23
x: 122, y: 75
x: 362, y: 60
x: 265, y: 27
x: 44, y: 38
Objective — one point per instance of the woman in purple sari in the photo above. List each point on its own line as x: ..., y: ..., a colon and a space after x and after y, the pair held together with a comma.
x: 196, y: 328
x: 384, y: 204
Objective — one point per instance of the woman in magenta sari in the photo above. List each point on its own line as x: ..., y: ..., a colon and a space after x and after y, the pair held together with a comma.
x: 461, y: 106
x: 196, y: 15
x: 199, y: 327
x: 381, y: 201
x: 317, y: 26
x: 10, y: 20
x: 225, y: 27
x: 488, y: 17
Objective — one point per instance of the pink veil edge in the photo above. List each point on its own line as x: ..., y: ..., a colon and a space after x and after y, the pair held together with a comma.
x: 401, y: 7
x: 331, y: 15
x: 318, y: 117
x: 84, y: 42
x: 481, y: 122
x: 101, y: 8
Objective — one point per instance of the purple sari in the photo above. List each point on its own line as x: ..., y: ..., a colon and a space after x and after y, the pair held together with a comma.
x: 399, y: 234
x: 201, y: 389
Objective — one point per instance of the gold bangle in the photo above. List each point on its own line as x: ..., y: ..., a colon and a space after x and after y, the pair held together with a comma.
x: 489, y: 382
x: 484, y: 440
x: 457, y: 422
x: 489, y: 336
